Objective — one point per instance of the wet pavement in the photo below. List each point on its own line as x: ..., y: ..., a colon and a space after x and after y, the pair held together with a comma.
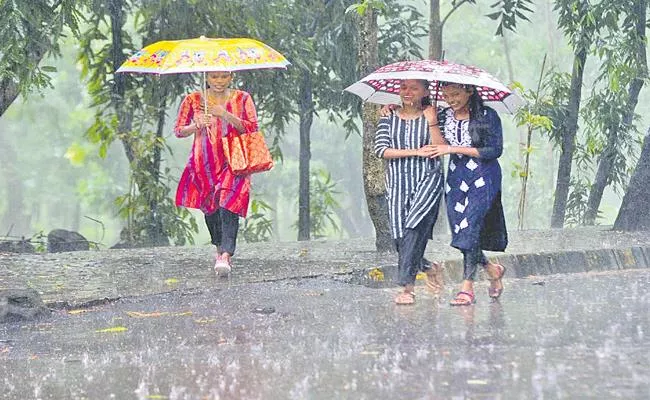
x: 316, y: 320
x: 84, y: 278
x: 568, y: 336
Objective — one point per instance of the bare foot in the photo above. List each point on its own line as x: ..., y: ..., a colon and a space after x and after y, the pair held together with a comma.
x: 434, y: 279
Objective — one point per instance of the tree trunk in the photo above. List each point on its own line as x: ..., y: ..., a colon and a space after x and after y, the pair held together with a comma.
x: 8, y: 93
x: 155, y: 230
x: 569, y: 130
x: 602, y: 178
x: 634, y: 214
x: 9, y: 88
x: 306, y: 108
x: 373, y: 168
x: 435, y: 31
x: 15, y: 221
x: 606, y: 160
x: 435, y: 53
x: 118, y: 89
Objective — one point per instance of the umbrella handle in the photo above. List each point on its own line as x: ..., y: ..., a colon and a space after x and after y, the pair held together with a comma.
x: 205, y: 104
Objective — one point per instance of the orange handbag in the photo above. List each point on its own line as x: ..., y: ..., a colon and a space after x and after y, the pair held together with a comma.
x: 247, y: 153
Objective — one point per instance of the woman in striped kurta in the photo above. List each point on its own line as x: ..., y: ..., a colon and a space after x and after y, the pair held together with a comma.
x: 474, y: 140
x: 207, y: 182
x: 414, y: 183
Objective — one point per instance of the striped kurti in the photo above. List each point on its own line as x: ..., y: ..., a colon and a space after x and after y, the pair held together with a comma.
x: 413, y: 184
x: 207, y: 183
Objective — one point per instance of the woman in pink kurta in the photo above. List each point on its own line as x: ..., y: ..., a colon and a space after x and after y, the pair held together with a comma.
x: 207, y: 182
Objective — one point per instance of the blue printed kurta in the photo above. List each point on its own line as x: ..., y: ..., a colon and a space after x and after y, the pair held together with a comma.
x: 473, y: 186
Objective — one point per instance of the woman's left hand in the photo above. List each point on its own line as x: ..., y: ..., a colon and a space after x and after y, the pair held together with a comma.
x: 215, y: 110
x: 430, y: 115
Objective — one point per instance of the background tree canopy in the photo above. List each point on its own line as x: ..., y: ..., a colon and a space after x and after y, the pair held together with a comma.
x: 77, y: 141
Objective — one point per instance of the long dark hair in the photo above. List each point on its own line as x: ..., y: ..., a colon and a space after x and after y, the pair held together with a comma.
x: 426, y: 100
x: 478, y: 122
x: 475, y: 104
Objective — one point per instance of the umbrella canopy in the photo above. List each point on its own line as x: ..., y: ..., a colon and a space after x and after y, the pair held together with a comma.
x: 382, y: 86
x: 203, y: 55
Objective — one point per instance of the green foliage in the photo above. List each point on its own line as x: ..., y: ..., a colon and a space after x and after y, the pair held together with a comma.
x: 31, y: 30
x: 508, y: 11
x: 551, y: 103
x: 150, y: 213
x: 578, y: 19
x: 362, y: 8
x: 533, y: 122
x: 576, y: 206
x: 257, y: 227
x: 323, y: 205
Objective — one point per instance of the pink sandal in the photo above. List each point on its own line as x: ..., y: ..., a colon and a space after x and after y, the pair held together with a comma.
x: 405, y: 298
x: 463, y: 299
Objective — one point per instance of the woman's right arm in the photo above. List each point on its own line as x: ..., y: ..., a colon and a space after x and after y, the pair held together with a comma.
x: 382, y: 144
x: 185, y: 124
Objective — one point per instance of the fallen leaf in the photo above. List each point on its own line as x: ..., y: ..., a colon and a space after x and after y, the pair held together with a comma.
x: 376, y: 274
x: 137, y: 314
x: 369, y: 353
x: 183, y: 314
x: 115, y: 329
x: 80, y: 311
x: 171, y: 281
x: 205, y: 320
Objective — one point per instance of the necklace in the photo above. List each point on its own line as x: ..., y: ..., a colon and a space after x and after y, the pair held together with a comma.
x: 216, y: 99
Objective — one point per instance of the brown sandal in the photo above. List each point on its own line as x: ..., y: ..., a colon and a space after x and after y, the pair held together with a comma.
x: 405, y: 298
x: 463, y: 299
x: 434, y: 279
x: 492, y: 292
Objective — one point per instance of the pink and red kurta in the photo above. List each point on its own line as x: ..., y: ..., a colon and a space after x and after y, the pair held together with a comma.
x: 207, y: 183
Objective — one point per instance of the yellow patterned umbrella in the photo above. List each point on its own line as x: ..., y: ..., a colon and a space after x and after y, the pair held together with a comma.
x: 203, y: 55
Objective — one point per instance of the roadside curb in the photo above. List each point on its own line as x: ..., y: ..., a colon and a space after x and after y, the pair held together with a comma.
x: 532, y: 264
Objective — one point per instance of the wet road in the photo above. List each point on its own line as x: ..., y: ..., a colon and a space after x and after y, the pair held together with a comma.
x: 573, y: 336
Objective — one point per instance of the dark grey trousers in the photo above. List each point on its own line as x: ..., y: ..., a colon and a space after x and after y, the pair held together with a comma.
x: 223, y: 226
x: 410, y: 249
x: 471, y: 259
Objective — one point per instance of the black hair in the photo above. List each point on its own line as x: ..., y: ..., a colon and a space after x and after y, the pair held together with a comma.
x: 475, y: 104
x: 426, y: 100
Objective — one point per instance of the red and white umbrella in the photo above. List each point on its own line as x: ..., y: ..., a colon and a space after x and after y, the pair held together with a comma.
x: 382, y: 86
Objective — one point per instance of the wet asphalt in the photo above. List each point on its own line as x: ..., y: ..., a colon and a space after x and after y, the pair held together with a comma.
x: 569, y: 336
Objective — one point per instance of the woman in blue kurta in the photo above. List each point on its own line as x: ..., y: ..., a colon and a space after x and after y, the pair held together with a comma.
x: 414, y: 183
x: 474, y: 141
